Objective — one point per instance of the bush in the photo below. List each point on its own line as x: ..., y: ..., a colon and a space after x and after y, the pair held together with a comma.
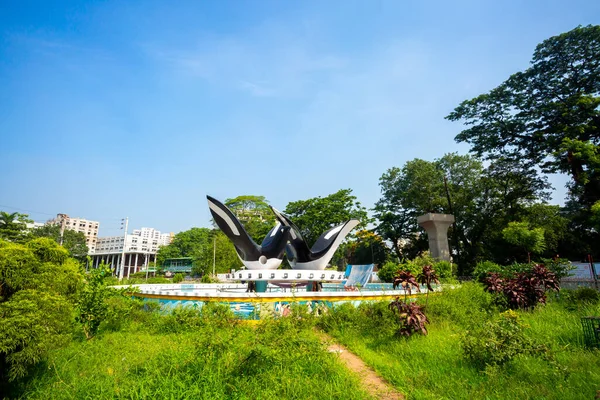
x: 579, y: 298
x: 387, y: 271
x: 178, y: 278
x: 525, y: 289
x: 443, y: 269
x: 92, y: 308
x: 38, y: 285
x: 483, y: 268
x: 206, y: 278
x: 499, y: 342
x: 560, y: 267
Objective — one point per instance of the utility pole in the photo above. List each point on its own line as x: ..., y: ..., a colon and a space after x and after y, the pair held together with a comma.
x: 214, y: 254
x: 122, y: 267
x: 62, y: 229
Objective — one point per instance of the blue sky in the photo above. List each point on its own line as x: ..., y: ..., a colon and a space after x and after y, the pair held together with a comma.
x: 141, y: 108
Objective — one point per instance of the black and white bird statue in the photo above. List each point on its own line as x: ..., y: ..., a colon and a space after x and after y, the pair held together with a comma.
x: 317, y: 257
x: 268, y: 255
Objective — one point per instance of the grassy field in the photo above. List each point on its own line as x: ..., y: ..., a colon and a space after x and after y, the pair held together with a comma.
x: 187, y: 356
x: 435, y: 367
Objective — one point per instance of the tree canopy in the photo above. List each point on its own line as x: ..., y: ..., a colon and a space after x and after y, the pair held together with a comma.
x: 548, y: 115
x: 481, y: 199
x: 202, y: 244
x: 316, y: 215
x: 254, y: 213
x: 74, y: 242
x: 39, y: 283
x: 13, y: 226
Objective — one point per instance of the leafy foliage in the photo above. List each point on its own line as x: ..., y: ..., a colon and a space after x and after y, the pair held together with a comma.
x: 92, y: 308
x: 202, y: 244
x: 481, y: 200
x: 547, y: 115
x: 366, y: 247
x: 406, y: 280
x: 254, y: 213
x: 39, y: 283
x: 499, y: 341
x: 387, y: 272
x: 521, y: 235
x: 74, y: 242
x: 410, y: 316
x: 316, y: 215
x: 526, y: 289
x: 13, y: 226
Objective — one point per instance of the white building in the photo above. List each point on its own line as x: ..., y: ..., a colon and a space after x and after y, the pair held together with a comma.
x: 88, y: 228
x: 34, y: 225
x: 140, y: 249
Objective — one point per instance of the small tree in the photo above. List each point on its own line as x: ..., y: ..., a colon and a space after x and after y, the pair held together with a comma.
x: 92, y: 308
x: 530, y: 240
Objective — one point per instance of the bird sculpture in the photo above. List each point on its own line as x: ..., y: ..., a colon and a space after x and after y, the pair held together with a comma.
x: 268, y: 255
x: 316, y: 258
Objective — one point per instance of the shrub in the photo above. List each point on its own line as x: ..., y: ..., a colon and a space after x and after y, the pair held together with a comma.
x: 206, y: 278
x: 411, y: 318
x: 92, y: 308
x: 178, y: 278
x: 387, y: 272
x: 443, y: 269
x: 484, y: 268
x: 526, y: 289
x: 38, y: 284
x: 560, y: 267
x: 499, y: 341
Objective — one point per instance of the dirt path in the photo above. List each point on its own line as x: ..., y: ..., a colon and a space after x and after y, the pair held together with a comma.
x: 372, y: 382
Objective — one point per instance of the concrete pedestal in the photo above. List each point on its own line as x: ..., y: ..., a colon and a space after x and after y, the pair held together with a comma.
x: 436, y: 226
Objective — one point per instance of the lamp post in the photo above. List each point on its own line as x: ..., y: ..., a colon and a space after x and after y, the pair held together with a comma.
x: 122, y: 267
x: 214, y: 254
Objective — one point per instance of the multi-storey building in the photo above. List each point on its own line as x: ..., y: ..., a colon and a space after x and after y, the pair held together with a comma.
x: 140, y: 249
x: 88, y: 228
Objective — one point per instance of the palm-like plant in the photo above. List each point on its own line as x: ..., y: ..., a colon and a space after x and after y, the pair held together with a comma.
x: 7, y: 220
x: 10, y: 225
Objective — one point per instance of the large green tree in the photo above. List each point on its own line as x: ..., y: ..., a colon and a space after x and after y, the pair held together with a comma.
x: 202, y: 245
x: 482, y: 200
x: 254, y: 213
x: 74, y: 242
x: 39, y: 283
x: 366, y: 247
x: 548, y: 116
x: 316, y: 215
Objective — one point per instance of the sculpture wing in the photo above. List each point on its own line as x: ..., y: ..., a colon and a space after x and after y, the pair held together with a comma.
x: 301, y: 250
x: 233, y: 229
x: 274, y: 243
x: 332, y: 238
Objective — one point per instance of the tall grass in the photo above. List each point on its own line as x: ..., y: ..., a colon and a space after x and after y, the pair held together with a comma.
x: 192, y: 354
x: 434, y: 366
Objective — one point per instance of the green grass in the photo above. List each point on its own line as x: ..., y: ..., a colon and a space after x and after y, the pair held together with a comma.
x: 208, y: 354
x: 434, y: 367
x: 195, y: 356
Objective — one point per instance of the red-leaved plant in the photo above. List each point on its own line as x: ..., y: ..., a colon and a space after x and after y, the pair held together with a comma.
x: 410, y: 315
x: 427, y: 277
x: 526, y: 289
